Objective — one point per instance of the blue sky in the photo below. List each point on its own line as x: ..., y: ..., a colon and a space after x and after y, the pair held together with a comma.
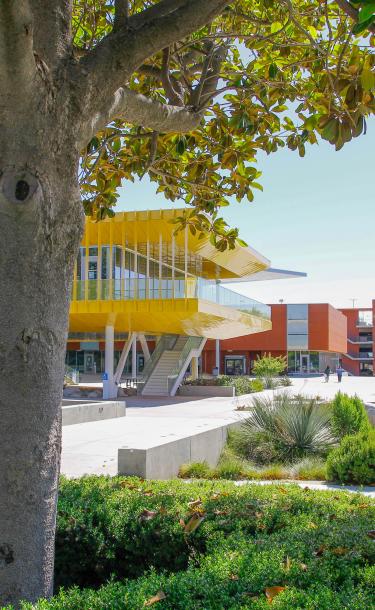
x: 316, y: 214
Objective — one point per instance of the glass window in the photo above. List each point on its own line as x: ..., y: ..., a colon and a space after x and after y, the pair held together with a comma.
x: 297, y: 341
x: 297, y: 327
x: 314, y: 362
x: 292, y: 362
x: 297, y: 312
x: 81, y: 264
x: 105, y: 262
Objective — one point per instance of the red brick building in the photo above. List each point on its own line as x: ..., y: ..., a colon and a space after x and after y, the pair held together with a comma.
x: 310, y: 336
x: 359, y: 357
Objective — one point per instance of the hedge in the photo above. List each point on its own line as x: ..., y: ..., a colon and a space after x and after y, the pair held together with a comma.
x: 353, y: 461
x: 211, y: 545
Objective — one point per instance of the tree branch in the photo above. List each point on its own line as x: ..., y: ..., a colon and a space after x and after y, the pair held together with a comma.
x: 352, y: 12
x: 16, y: 43
x: 174, y: 96
x: 210, y: 77
x: 52, y: 29
x: 121, y: 14
x: 137, y: 109
x: 118, y: 55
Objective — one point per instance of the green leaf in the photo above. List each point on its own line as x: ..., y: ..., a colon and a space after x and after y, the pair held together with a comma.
x: 366, y: 12
x: 273, y: 70
x: 367, y: 79
x: 181, y: 145
x: 276, y: 26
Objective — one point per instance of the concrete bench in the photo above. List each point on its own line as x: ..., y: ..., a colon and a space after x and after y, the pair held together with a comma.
x: 83, y: 412
x: 163, y: 461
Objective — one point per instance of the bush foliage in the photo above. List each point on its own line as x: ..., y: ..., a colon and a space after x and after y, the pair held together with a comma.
x: 285, y: 428
x: 241, y: 384
x: 354, y: 460
x: 349, y: 415
x: 211, y: 546
x: 269, y: 366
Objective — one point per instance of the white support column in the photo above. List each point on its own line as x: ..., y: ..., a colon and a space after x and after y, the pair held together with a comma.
x: 217, y: 355
x: 194, y: 367
x: 134, y: 356
x: 109, y: 386
x: 123, y: 358
x: 144, y: 346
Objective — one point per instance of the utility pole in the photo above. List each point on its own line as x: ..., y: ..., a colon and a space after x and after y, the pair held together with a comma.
x: 353, y: 302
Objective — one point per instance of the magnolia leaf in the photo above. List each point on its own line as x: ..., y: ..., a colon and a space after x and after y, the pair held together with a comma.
x: 366, y: 12
x: 287, y: 564
x: 319, y: 552
x: 367, y: 79
x: 340, y: 550
x: 272, y: 592
x: 147, y: 515
x: 156, y: 598
x: 194, y: 503
x: 193, y: 523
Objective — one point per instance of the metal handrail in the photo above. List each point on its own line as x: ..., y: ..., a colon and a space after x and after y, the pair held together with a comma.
x: 193, y: 343
x: 165, y: 342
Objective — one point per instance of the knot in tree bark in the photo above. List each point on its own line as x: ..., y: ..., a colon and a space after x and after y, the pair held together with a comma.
x: 18, y: 186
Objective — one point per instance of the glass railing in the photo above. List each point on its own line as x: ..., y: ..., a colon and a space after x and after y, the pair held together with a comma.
x: 361, y: 355
x: 155, y: 288
x: 365, y: 321
x: 361, y: 339
x: 217, y: 293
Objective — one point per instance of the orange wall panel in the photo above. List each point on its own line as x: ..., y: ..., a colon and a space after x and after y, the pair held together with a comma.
x: 327, y: 329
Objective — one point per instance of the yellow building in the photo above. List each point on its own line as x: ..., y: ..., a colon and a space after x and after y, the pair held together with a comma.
x: 137, y: 281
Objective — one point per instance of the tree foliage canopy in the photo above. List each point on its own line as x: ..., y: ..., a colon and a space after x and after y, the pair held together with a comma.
x: 261, y: 76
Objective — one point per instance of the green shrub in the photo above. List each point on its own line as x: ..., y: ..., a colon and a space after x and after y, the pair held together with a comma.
x: 242, y: 384
x: 257, y: 385
x: 349, y: 415
x: 315, y: 544
x: 195, y: 470
x: 354, y: 460
x: 285, y: 428
x: 224, y: 380
x: 310, y: 469
x: 229, y: 467
x: 285, y: 381
x: 269, y: 366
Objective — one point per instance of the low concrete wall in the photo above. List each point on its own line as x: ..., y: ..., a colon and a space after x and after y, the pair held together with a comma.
x: 95, y: 411
x: 75, y: 391
x: 206, y: 390
x: 163, y: 461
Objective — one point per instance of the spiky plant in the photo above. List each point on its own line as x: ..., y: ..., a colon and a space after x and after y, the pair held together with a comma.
x: 294, y: 427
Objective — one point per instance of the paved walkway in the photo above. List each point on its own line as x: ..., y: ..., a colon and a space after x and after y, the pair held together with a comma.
x: 92, y: 448
x: 320, y: 485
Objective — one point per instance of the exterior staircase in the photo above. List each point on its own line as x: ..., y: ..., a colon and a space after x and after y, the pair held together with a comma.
x: 170, y: 366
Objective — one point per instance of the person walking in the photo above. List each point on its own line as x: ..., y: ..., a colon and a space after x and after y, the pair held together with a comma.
x: 339, y: 372
x: 327, y: 372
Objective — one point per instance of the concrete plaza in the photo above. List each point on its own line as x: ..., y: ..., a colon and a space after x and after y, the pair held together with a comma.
x: 91, y: 448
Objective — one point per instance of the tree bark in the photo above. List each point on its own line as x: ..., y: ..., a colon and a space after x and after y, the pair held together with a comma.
x: 49, y: 107
x: 41, y: 225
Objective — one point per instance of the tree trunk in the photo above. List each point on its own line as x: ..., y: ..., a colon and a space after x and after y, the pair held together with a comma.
x: 40, y: 230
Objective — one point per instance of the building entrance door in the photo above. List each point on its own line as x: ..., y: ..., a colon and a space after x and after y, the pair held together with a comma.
x: 89, y: 363
x: 235, y: 365
x: 305, y: 363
